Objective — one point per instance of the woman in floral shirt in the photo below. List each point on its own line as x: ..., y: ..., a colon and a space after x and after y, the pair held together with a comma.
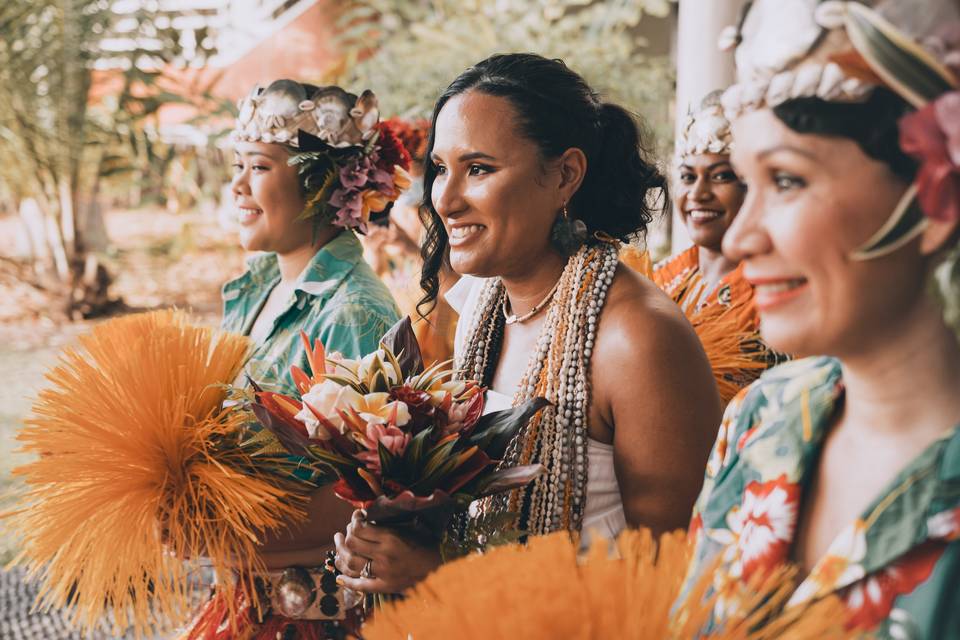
x: 849, y: 465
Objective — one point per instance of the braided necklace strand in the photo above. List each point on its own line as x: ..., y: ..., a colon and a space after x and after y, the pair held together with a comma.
x: 558, y: 371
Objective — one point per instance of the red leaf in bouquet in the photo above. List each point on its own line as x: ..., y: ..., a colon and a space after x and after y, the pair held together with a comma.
x: 281, y: 405
x: 393, y: 487
x: 471, y: 462
x: 401, y: 341
x: 356, y: 493
x: 291, y: 434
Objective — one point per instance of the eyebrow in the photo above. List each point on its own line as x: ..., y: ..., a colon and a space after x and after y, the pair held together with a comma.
x: 785, y: 147
x: 467, y: 157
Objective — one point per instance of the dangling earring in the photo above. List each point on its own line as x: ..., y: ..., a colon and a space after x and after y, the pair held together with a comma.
x: 568, y: 234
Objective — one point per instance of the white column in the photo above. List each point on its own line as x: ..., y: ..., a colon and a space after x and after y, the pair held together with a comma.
x: 701, y: 66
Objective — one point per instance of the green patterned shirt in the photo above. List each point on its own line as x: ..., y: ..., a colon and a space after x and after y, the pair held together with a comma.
x: 896, y: 567
x: 338, y: 299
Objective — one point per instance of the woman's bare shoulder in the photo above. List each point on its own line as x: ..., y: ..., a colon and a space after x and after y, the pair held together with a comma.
x: 638, y: 315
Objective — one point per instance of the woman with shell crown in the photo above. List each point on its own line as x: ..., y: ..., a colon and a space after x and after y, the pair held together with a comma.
x: 311, y: 166
x: 710, y: 288
x: 846, y: 122
x: 530, y: 181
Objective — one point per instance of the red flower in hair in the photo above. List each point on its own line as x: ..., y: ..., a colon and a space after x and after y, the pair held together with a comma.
x: 932, y: 136
x: 392, y: 151
x: 413, y: 134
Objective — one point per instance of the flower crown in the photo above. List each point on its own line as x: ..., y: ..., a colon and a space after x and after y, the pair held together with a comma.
x: 352, y: 167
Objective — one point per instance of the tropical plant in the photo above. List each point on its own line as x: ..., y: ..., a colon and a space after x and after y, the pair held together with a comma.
x: 79, y: 83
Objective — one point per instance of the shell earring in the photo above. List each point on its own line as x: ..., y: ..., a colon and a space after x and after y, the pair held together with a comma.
x: 568, y: 234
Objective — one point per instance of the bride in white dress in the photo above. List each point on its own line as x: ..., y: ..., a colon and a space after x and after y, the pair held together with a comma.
x: 530, y: 180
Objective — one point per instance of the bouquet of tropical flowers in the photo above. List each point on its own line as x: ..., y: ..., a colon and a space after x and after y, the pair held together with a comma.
x: 408, y: 444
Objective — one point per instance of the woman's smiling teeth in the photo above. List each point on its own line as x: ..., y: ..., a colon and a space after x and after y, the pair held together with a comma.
x: 704, y: 215
x: 464, y: 232
x: 248, y: 214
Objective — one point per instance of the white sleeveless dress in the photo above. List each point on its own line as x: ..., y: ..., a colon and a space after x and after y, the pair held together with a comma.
x: 603, y: 513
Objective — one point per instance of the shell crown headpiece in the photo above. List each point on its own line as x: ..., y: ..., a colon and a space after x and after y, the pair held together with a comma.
x: 705, y: 130
x: 840, y: 51
x: 280, y: 111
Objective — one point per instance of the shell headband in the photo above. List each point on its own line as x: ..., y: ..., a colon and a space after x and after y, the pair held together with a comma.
x: 352, y: 167
x: 705, y: 130
x: 839, y: 51
x: 279, y: 112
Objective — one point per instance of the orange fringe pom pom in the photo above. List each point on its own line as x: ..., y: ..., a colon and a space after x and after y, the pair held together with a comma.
x: 541, y: 590
x: 138, y: 467
x: 729, y: 334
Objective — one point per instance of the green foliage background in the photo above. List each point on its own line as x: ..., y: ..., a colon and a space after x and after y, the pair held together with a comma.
x: 410, y: 50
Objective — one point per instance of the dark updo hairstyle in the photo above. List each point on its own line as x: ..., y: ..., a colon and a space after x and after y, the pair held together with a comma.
x: 872, y: 124
x: 556, y: 110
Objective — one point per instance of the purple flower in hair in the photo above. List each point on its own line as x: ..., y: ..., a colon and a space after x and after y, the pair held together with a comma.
x: 349, y: 206
x: 354, y: 174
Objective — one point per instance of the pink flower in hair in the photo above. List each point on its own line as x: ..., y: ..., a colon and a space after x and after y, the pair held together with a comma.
x: 932, y: 136
x: 354, y: 174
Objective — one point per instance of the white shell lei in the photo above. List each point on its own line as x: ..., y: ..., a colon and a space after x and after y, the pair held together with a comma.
x: 559, y: 371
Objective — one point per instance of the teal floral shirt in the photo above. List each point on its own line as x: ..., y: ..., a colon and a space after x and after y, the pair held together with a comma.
x: 896, y: 567
x: 338, y: 300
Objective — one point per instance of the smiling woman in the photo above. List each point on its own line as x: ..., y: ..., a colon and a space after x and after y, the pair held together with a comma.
x: 310, y: 165
x: 531, y: 180
x: 846, y: 464
x: 709, y: 287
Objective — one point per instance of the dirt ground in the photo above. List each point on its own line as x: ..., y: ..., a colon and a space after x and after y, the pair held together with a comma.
x: 159, y: 260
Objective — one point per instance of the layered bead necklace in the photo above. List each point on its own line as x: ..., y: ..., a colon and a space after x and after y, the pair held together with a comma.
x: 558, y: 370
